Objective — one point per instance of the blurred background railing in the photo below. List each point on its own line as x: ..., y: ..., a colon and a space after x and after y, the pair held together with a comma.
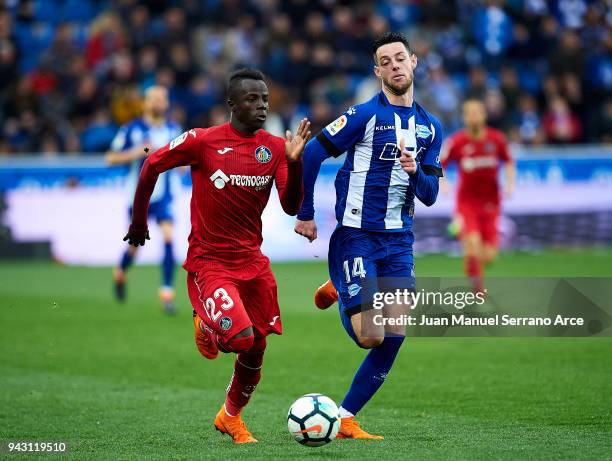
x: 78, y: 206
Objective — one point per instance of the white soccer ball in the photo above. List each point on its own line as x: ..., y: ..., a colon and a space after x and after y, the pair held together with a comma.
x: 313, y: 420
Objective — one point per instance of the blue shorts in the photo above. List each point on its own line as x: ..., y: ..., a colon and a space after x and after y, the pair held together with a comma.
x: 160, y: 210
x: 363, y: 262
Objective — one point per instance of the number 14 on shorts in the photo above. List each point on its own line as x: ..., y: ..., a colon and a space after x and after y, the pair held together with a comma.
x: 358, y: 269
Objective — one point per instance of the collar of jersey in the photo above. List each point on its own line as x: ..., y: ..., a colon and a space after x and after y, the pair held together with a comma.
x: 240, y: 133
x: 386, y: 102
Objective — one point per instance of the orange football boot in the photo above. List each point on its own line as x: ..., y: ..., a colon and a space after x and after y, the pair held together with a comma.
x: 203, y: 339
x: 326, y: 295
x: 349, y: 429
x: 233, y: 426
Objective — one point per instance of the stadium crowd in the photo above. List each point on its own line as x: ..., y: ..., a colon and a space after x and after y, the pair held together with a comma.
x: 72, y: 71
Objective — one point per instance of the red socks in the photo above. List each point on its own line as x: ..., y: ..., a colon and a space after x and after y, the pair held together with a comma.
x: 473, y: 269
x: 247, y: 372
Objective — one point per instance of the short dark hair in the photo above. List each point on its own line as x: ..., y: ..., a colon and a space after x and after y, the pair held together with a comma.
x: 239, y: 75
x: 389, y: 37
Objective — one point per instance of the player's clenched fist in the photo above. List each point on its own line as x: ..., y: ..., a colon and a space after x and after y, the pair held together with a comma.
x: 407, y: 161
x: 294, y: 145
x: 306, y: 228
x: 136, y: 237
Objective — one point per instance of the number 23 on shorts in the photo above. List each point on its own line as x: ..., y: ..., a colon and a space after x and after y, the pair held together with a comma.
x: 211, y: 305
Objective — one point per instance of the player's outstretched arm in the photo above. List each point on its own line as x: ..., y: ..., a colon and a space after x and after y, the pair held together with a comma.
x: 314, y: 155
x: 181, y: 151
x: 124, y: 157
x: 509, y: 178
x: 294, y: 145
x: 307, y: 229
x: 446, y: 157
x: 288, y: 176
x: 136, y: 237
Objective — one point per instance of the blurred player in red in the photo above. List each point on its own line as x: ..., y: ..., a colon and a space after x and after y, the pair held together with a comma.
x: 478, y: 151
x: 230, y: 283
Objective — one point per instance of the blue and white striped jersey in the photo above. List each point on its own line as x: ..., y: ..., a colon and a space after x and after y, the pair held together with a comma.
x: 372, y: 190
x: 153, y: 136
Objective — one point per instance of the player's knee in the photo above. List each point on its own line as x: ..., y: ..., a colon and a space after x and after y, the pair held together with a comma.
x: 242, y: 342
x: 371, y: 342
x: 259, y: 345
x: 489, y: 256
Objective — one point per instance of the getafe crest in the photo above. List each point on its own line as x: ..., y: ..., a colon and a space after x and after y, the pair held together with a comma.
x: 263, y: 154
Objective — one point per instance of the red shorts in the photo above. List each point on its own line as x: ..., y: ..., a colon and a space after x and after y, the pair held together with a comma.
x: 481, y: 219
x: 230, y: 300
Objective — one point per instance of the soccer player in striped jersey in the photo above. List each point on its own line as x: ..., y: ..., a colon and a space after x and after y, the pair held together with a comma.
x: 152, y: 131
x: 392, y: 147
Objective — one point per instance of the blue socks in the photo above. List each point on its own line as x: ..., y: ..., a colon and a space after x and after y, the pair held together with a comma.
x: 126, y: 261
x: 167, y: 266
x: 372, y: 373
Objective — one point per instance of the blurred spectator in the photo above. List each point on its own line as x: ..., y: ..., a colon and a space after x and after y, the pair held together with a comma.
x: 138, y: 24
x: 509, y: 86
x: 492, y: 28
x: 569, y: 57
x: 200, y: 98
x: 181, y: 62
x: 527, y: 125
x: 571, y: 12
x: 603, y: 124
x: 477, y: 84
x: 9, y: 54
x: 443, y: 97
x: 62, y: 51
x: 87, y: 98
x: 560, y: 123
x: 497, y: 115
x: 126, y: 103
x: 320, y: 115
x: 106, y: 37
x: 99, y: 134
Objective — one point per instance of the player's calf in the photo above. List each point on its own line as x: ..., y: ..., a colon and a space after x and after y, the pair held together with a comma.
x: 370, y: 342
x: 246, y: 376
x: 367, y: 331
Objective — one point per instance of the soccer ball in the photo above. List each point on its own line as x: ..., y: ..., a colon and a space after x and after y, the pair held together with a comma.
x: 313, y: 420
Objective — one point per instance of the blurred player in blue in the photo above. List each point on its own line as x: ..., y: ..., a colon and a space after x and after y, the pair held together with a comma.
x: 392, y: 150
x: 152, y: 131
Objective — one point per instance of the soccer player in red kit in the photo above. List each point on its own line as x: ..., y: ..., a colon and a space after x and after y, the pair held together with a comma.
x: 478, y: 151
x: 230, y: 283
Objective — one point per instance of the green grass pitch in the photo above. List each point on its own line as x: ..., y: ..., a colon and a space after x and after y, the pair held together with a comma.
x: 126, y: 382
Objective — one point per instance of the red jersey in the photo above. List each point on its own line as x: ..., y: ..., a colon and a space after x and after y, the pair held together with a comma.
x: 478, y: 161
x: 232, y: 175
